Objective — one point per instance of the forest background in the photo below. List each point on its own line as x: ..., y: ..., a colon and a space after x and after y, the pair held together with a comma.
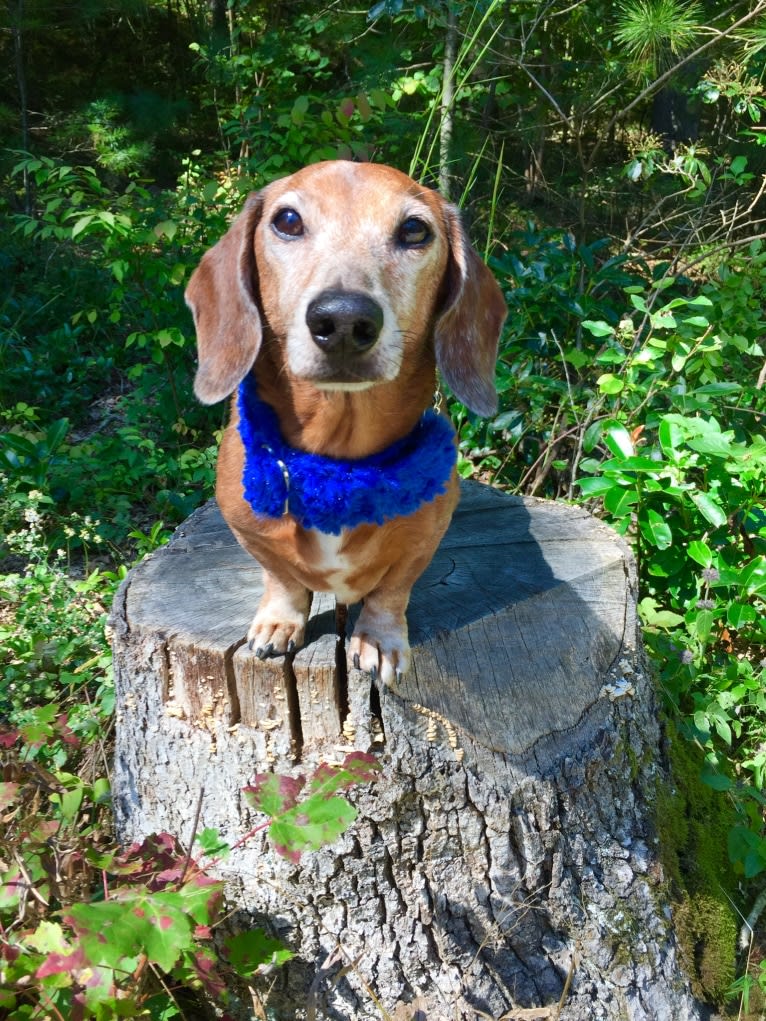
x: 609, y: 158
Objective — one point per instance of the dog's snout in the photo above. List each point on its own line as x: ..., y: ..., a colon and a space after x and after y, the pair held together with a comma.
x: 344, y: 321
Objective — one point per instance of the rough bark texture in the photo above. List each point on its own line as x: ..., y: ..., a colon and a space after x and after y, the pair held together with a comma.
x: 506, y: 859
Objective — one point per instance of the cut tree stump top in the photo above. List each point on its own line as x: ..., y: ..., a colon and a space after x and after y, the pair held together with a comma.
x: 515, y: 626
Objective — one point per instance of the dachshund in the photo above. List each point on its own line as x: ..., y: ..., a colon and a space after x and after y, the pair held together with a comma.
x: 328, y: 306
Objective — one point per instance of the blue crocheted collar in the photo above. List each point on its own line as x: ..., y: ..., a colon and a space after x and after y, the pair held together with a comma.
x: 330, y: 494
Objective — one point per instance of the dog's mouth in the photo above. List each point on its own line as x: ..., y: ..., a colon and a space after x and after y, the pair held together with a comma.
x: 344, y: 386
x: 344, y: 378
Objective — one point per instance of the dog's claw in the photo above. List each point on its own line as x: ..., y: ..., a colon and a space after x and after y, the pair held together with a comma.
x: 263, y: 652
x: 356, y: 661
x: 290, y: 647
x: 250, y: 644
x: 374, y: 673
x: 399, y: 675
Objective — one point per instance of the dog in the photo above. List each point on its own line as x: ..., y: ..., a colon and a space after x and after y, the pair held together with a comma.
x: 328, y: 306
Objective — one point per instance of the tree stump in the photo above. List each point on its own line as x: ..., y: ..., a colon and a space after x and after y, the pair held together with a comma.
x: 505, y: 862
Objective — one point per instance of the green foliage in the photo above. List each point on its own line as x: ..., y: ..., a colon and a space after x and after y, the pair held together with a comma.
x: 128, y: 259
x: 638, y: 390
x: 95, y: 933
x: 301, y: 823
x: 52, y: 629
x: 628, y: 374
x: 654, y: 31
x: 689, y: 492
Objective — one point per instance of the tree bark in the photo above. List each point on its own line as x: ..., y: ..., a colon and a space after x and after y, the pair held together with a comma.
x: 17, y: 23
x: 447, y: 105
x: 506, y: 859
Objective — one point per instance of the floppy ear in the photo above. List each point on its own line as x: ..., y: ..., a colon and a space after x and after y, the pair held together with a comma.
x: 221, y: 295
x: 467, y: 330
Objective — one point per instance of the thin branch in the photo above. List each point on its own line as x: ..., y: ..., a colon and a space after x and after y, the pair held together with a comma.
x: 727, y: 246
x: 567, y: 120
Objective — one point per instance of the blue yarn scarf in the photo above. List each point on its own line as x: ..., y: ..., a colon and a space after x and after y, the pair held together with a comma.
x: 331, y: 494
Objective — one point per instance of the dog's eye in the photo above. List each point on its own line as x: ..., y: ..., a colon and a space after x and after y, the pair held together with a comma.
x: 413, y: 232
x: 288, y: 224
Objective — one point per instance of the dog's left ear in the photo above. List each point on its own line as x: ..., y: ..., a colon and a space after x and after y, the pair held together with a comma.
x: 467, y: 328
x: 221, y: 295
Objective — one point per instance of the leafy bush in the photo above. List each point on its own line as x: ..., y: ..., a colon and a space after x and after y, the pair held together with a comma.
x: 90, y: 932
x: 639, y: 391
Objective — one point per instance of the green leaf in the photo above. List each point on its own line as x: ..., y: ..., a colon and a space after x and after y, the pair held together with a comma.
x: 593, y: 487
x: 610, y: 384
x: 167, y: 228
x: 738, y: 165
x: 210, y: 842
x: 248, y: 951
x: 663, y: 320
x: 273, y: 794
x: 639, y: 463
x: 609, y: 356
x: 658, y: 618
x: 577, y: 358
x: 700, y: 321
x: 69, y: 803
x: 715, y: 443
x: 618, y: 440
x: 119, y: 268
x: 598, y: 327
x: 299, y: 110
x: 670, y: 433
x: 155, y: 925
x: 716, y: 780
x: 717, y: 389
x: 82, y: 223
x: 56, y: 434
x: 592, y: 436
x: 679, y: 357
x: 101, y: 792
x: 740, y: 614
x: 700, y: 552
x: 620, y: 502
x: 753, y: 576
x: 655, y: 529
x: 317, y: 821
x: 749, y: 848
x: 166, y: 337
x: 709, y: 508
x: 701, y: 625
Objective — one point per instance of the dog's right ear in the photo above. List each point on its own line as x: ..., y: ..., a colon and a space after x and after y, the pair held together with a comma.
x: 221, y: 295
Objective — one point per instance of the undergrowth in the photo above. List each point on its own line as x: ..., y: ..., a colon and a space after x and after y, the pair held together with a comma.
x: 633, y: 387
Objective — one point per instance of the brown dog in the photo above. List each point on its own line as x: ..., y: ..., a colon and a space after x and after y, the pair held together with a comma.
x: 335, y: 294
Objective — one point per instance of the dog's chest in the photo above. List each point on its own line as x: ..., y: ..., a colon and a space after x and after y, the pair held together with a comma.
x: 334, y: 567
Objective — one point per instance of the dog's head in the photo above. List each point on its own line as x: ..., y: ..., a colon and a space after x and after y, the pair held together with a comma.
x: 350, y: 266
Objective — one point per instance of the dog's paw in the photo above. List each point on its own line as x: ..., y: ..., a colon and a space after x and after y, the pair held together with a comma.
x: 269, y: 636
x: 381, y: 648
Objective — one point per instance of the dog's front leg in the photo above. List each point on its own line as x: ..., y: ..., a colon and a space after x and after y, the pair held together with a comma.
x: 380, y: 644
x: 280, y: 623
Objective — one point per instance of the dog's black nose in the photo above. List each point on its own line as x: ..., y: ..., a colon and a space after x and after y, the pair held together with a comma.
x: 347, y: 321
